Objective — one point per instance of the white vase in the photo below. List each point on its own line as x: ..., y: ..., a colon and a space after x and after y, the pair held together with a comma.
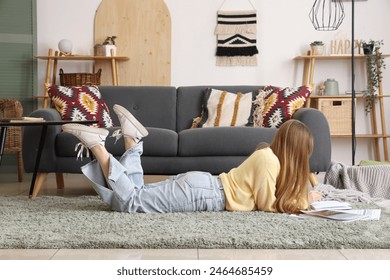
x: 331, y: 87
x: 317, y: 50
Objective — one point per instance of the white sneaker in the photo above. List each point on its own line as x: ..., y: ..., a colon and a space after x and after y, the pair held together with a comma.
x: 130, y: 126
x: 88, y: 135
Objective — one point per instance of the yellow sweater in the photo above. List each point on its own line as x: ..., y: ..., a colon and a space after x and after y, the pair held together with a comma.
x: 251, y: 186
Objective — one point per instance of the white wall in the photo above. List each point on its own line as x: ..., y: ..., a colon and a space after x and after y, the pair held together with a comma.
x: 284, y: 31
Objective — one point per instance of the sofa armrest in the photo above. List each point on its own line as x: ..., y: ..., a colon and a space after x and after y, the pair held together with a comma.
x: 31, y: 137
x: 318, y: 125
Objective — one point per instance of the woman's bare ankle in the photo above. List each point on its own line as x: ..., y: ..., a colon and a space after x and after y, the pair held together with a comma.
x: 129, y: 142
x: 99, y: 150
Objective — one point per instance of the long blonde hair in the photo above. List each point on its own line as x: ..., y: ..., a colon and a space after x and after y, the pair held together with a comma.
x: 293, y: 145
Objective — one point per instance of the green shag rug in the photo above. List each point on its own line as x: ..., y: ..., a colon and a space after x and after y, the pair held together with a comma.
x: 86, y: 222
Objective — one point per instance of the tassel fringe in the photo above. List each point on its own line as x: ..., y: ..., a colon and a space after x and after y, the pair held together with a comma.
x: 236, y: 60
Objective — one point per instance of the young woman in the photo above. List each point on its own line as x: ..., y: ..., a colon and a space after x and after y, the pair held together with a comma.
x: 274, y: 178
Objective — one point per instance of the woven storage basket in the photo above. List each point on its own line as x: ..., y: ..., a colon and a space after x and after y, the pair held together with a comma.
x: 338, y: 112
x: 12, y: 108
x: 80, y: 79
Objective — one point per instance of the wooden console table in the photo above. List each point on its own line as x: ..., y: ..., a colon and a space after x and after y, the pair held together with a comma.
x: 52, y: 63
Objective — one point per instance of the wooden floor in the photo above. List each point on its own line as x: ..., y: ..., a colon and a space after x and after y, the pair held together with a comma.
x: 76, y: 185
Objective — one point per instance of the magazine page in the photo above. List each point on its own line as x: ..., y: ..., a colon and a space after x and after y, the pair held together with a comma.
x: 330, y: 204
x: 338, y: 211
x: 335, y: 215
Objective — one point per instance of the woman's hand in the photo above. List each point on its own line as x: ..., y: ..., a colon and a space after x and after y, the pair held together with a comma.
x: 314, y: 196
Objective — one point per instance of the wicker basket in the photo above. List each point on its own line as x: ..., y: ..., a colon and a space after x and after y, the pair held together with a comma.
x: 338, y: 112
x: 12, y: 108
x: 80, y: 79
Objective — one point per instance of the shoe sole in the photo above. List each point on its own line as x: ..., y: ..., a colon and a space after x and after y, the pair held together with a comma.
x: 121, y: 110
x: 83, y: 128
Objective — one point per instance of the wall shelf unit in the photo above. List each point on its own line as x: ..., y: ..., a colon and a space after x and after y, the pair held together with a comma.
x: 52, y: 64
x: 377, y: 135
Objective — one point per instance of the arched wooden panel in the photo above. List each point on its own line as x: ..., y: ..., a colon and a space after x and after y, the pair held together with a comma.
x: 143, y: 28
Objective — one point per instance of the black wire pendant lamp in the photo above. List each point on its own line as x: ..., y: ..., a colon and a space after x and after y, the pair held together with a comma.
x: 327, y: 15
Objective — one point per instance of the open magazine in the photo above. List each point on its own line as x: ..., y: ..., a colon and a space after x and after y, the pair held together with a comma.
x: 330, y: 205
x: 339, y: 211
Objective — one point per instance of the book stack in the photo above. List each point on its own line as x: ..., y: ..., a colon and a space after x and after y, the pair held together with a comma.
x: 22, y: 119
x: 28, y: 119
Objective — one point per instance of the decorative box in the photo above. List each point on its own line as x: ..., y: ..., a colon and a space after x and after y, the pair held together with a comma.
x: 105, y: 50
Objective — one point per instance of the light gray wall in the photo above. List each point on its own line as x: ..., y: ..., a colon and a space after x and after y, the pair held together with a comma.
x: 284, y: 32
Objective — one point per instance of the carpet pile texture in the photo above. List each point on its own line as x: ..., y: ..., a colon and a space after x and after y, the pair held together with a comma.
x: 86, y: 222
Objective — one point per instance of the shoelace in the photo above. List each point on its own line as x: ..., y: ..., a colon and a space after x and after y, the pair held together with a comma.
x: 81, y: 147
x: 117, y: 134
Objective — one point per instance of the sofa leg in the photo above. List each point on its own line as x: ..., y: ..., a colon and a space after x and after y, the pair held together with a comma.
x: 60, y: 180
x: 20, y: 166
x: 313, y: 179
x: 41, y: 177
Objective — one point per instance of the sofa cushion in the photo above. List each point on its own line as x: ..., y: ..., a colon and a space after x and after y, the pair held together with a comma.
x: 223, y: 108
x: 153, y: 106
x: 159, y: 142
x: 80, y: 103
x: 222, y: 141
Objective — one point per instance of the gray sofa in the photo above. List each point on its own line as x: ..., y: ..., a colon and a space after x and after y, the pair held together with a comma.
x: 171, y: 146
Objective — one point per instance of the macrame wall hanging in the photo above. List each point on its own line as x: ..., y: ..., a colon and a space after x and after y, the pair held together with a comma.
x: 236, y: 37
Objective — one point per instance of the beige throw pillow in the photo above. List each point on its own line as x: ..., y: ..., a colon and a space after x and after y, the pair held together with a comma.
x: 222, y: 108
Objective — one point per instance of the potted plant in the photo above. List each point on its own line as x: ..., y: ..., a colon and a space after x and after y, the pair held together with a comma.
x: 374, y: 65
x: 368, y: 47
x: 317, y: 48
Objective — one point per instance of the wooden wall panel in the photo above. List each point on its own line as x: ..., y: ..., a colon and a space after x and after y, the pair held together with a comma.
x: 143, y: 28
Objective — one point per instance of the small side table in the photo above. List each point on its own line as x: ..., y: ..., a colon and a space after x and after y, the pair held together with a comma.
x: 4, y: 124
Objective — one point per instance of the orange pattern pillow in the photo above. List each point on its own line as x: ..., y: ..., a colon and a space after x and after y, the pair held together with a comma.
x: 80, y: 103
x: 279, y: 104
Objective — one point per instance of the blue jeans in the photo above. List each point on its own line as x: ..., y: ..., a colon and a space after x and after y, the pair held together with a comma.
x: 187, y: 192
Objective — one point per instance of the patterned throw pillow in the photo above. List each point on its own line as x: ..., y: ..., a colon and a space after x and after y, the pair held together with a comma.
x: 278, y: 105
x: 80, y: 103
x: 222, y: 108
